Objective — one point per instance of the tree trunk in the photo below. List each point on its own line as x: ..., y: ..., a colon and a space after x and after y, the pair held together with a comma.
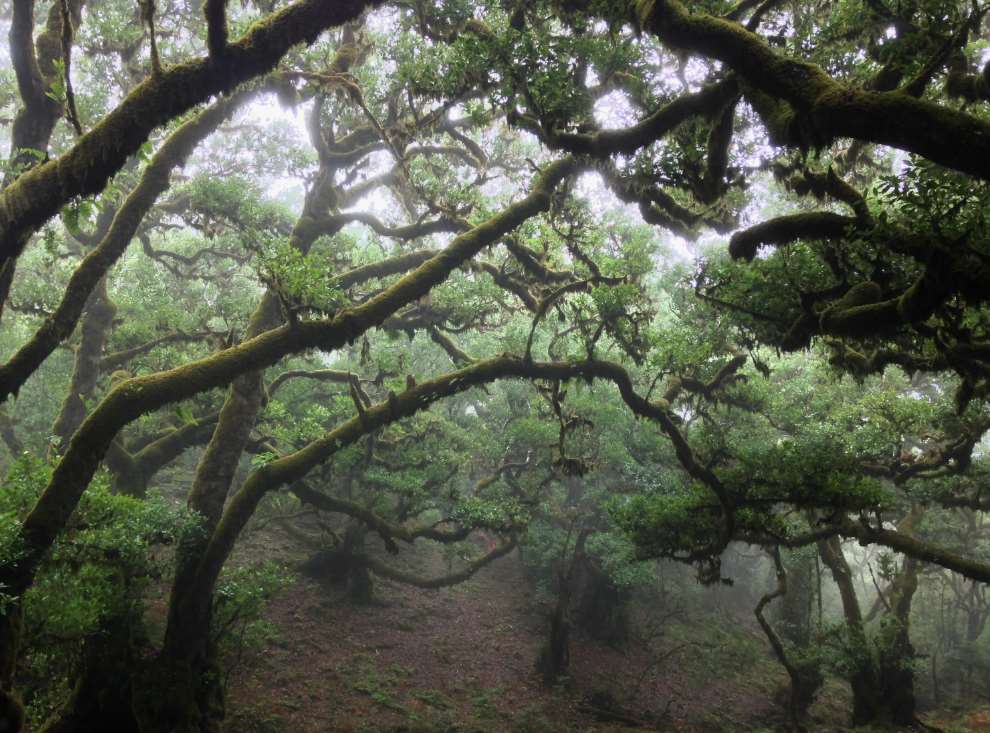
x: 192, y: 701
x: 863, y: 678
x: 601, y: 610
x: 86, y: 371
x: 555, y: 657
x: 185, y: 694
x: 102, y: 697
x: 794, y: 614
x: 11, y: 709
x: 883, y: 688
x: 806, y: 678
x: 897, y: 652
x: 359, y: 579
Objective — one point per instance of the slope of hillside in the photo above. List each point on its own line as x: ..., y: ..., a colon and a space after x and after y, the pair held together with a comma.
x: 461, y: 659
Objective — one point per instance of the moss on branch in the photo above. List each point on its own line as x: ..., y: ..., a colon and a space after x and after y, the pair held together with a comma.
x: 784, y: 230
x: 37, y: 195
x: 154, y: 181
x: 828, y: 109
x: 141, y: 395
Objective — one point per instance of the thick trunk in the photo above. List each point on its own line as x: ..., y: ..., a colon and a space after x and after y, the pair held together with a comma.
x: 345, y: 565
x: 191, y: 699
x: 178, y: 696
x: 794, y: 615
x: 187, y: 652
x: 897, y: 653
x: 181, y: 692
x: 360, y: 583
x: 101, y: 699
x: 883, y: 688
x: 86, y: 371
x: 863, y: 678
x: 555, y: 657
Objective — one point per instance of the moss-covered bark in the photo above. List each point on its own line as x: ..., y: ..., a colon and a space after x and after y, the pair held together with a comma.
x: 863, y: 678
x: 626, y: 141
x: 140, y: 395
x: 101, y: 697
x: 896, y: 657
x: 187, y: 635
x: 35, y: 63
x: 86, y: 371
x: 36, y: 69
x: 154, y: 181
x: 918, y: 549
x: 786, y: 229
x: 37, y: 195
x: 824, y: 108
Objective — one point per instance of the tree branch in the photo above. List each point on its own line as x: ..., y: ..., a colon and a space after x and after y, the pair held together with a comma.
x: 37, y: 195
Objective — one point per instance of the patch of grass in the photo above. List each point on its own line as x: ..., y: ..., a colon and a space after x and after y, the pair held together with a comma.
x: 483, y: 703
x: 433, y: 698
x: 532, y: 719
x: 381, y: 685
x: 397, y: 670
x: 254, y: 719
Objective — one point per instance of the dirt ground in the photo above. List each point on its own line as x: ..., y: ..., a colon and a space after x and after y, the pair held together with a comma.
x: 462, y: 659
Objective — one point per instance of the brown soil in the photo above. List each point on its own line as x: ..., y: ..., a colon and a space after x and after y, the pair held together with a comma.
x: 462, y: 659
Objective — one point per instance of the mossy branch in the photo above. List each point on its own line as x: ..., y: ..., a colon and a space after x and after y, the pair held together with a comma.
x: 784, y: 230
x: 140, y: 395
x: 459, y: 576
x: 216, y: 27
x: 154, y: 181
x: 37, y: 195
x: 387, y: 529
x: 626, y: 141
x: 830, y: 109
x: 917, y: 549
x: 117, y: 359
x: 288, y: 469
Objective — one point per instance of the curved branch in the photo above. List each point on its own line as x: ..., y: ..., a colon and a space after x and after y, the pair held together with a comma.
x: 118, y: 358
x: 917, y: 549
x: 625, y: 141
x: 134, y: 397
x: 379, y: 568
x: 386, y: 529
x: 322, y: 375
x: 154, y: 181
x: 789, y: 228
x: 288, y: 469
x: 37, y: 195
x: 828, y: 109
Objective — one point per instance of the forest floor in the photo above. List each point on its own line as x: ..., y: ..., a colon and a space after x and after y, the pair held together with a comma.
x: 461, y: 660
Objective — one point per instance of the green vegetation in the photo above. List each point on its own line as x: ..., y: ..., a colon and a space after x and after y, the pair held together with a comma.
x: 685, y: 307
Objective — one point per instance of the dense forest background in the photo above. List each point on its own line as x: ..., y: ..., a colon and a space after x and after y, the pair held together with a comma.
x: 395, y: 365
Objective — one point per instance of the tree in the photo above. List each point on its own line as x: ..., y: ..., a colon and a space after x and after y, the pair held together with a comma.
x: 460, y: 187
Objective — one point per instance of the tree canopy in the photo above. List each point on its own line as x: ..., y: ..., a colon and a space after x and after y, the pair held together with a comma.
x: 659, y: 276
